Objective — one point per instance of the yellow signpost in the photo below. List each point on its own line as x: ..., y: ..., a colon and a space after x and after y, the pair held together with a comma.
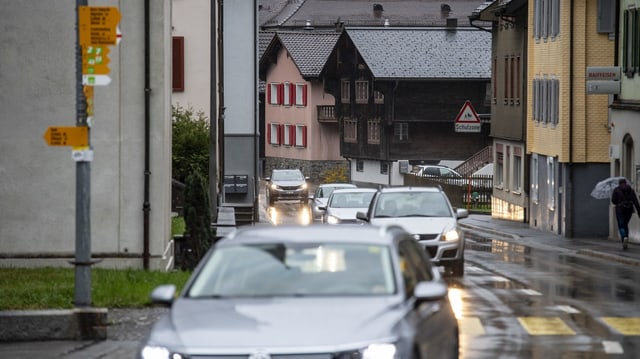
x: 98, y: 25
x: 67, y: 136
x: 95, y: 60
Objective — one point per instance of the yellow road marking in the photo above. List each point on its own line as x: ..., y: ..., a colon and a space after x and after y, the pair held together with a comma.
x: 470, y: 326
x: 626, y: 326
x: 545, y: 326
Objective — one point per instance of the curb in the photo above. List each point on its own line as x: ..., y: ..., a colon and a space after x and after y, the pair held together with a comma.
x: 63, y: 324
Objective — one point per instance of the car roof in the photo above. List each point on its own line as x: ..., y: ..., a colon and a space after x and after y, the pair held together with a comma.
x: 346, y: 233
x: 353, y: 190
x: 410, y: 189
x: 338, y: 184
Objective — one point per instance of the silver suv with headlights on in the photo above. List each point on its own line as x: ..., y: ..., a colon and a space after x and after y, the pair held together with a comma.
x: 287, y: 185
x: 427, y: 214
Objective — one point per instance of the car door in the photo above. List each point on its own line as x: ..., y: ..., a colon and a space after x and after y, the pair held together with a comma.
x: 434, y: 323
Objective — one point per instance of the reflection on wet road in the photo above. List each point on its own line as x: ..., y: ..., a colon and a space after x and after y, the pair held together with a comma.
x: 521, y: 302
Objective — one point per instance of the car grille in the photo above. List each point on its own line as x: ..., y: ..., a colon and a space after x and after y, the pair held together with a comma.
x: 290, y: 188
x: 426, y: 237
x: 272, y: 356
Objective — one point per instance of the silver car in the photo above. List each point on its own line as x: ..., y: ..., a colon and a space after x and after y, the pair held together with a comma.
x: 316, y: 291
x: 321, y: 195
x: 427, y: 214
x: 343, y: 204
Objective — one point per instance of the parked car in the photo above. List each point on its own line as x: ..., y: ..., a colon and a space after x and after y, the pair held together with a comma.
x: 313, y: 291
x: 437, y: 171
x: 451, y: 176
x: 287, y: 185
x: 343, y: 204
x: 427, y: 214
x: 320, y: 196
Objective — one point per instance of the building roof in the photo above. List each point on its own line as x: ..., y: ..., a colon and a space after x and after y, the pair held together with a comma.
x: 418, y: 53
x: 327, y: 13
x: 309, y: 50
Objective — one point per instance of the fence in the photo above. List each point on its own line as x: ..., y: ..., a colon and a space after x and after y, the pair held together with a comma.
x: 472, y: 192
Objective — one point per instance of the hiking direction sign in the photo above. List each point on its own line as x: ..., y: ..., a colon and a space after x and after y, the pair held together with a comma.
x: 467, y: 119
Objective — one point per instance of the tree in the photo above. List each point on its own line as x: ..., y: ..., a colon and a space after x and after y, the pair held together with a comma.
x: 190, y: 142
x: 197, y: 218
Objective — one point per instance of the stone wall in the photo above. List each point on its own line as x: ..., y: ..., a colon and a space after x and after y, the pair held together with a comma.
x: 312, y: 169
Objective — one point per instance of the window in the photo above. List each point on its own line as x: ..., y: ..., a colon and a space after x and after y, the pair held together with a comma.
x: 177, y: 65
x: 359, y: 166
x: 517, y: 74
x: 275, y: 93
x: 275, y: 133
x: 551, y: 182
x: 362, y: 91
x: 301, y: 136
x: 534, y: 178
x: 631, y: 42
x: 401, y: 131
x: 507, y: 89
x: 286, y: 98
x: 517, y: 169
x: 350, y: 130
x: 373, y: 131
x: 378, y: 97
x: 289, y: 135
x: 344, y: 93
x: 301, y: 94
x: 384, y: 168
x: 546, y: 99
x: 499, y: 175
x: 546, y: 19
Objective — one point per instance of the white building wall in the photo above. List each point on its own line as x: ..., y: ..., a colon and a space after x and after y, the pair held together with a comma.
x: 192, y: 20
x: 38, y: 182
x: 370, y: 175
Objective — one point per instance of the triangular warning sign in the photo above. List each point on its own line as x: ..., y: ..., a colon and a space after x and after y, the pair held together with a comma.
x: 467, y: 114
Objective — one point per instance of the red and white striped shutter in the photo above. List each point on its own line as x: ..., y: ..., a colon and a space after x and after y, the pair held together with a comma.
x: 269, y: 133
x: 292, y: 135
x: 280, y: 94
x: 269, y: 93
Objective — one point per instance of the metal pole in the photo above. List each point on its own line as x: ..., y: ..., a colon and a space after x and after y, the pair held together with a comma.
x: 83, y: 171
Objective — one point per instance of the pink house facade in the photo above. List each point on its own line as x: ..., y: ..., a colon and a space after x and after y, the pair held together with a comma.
x: 300, y: 130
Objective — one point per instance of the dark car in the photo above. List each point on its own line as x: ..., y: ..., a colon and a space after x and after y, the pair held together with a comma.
x: 427, y: 214
x: 348, y: 291
x: 287, y: 185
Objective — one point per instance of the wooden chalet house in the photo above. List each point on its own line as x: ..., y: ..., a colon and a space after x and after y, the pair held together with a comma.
x: 398, y: 92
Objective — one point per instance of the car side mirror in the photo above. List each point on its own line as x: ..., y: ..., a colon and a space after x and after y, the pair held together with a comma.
x: 362, y: 216
x: 267, y: 179
x: 322, y: 208
x: 163, y: 294
x: 462, y: 213
x: 431, y: 290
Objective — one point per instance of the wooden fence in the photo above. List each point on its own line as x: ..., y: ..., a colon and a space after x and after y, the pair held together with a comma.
x: 473, y: 192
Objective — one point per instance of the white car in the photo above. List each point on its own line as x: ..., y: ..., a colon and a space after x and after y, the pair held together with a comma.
x: 343, y: 204
x: 427, y: 214
x: 321, y: 195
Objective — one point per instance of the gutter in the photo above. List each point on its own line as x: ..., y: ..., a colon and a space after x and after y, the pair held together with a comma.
x: 146, y: 207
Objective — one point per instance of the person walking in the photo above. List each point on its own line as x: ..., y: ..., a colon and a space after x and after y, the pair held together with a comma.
x: 625, y: 200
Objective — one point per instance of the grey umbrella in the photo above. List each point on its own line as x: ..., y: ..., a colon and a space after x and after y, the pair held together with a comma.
x: 604, y: 188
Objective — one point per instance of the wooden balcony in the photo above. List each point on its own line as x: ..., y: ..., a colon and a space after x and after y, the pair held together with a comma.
x: 326, y: 114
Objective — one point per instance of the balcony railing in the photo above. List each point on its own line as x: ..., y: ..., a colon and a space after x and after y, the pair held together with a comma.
x: 326, y: 114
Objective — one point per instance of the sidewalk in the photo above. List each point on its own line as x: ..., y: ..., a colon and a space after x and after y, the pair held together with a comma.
x: 521, y: 233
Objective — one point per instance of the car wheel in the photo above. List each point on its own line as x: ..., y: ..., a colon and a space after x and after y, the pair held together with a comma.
x: 457, y: 268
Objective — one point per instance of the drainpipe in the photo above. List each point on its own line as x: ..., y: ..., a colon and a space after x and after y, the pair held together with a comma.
x: 568, y: 195
x: 213, y: 130
x: 146, y: 207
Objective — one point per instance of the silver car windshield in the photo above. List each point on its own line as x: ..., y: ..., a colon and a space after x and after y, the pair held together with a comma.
x: 351, y: 200
x: 284, y: 269
x: 412, y: 204
x: 287, y: 176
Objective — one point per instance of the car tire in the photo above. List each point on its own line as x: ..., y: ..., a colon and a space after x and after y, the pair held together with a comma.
x: 457, y: 268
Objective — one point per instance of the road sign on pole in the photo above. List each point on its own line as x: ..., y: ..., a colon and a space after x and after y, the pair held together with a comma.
x: 67, y: 136
x: 95, y: 60
x: 98, y: 25
x: 467, y: 119
x: 96, y: 80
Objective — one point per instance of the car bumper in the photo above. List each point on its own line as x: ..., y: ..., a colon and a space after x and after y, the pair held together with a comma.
x: 443, y: 252
x: 302, y: 196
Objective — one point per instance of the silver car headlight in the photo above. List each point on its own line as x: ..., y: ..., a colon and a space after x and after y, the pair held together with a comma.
x: 333, y: 220
x: 158, y: 352
x: 450, y: 236
x: 274, y: 186
x: 304, y: 186
x: 373, y: 351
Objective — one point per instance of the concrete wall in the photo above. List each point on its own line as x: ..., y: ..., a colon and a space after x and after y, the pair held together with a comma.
x: 192, y: 20
x: 37, y: 182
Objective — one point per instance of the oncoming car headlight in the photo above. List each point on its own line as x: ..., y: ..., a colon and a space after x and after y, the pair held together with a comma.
x: 274, y: 186
x: 373, y: 351
x: 157, y: 352
x: 304, y: 186
x: 333, y: 220
x: 450, y: 236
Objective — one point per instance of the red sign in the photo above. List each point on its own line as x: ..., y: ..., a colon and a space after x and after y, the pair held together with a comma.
x: 467, y: 119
